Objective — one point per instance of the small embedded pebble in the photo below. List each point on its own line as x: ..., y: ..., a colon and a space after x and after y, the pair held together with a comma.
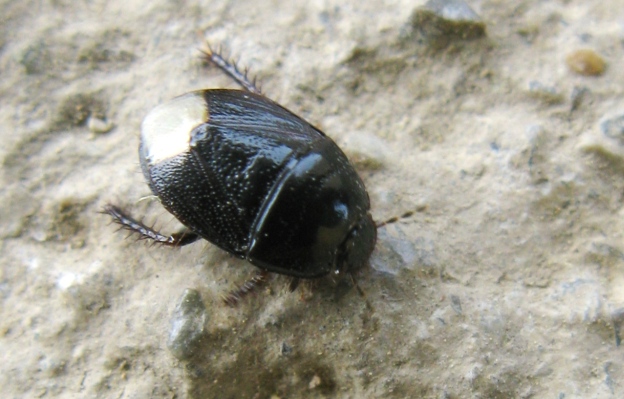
x: 614, y: 128
x: 97, y: 125
x: 315, y: 382
x: 187, y: 325
x: 586, y: 62
x: 442, y: 20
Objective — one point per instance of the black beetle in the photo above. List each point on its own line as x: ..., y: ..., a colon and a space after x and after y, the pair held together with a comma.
x: 251, y: 177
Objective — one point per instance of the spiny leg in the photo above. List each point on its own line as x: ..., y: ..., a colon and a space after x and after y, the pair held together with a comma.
x: 357, y: 286
x: 294, y: 283
x: 230, y: 69
x: 147, y: 233
x: 235, y: 296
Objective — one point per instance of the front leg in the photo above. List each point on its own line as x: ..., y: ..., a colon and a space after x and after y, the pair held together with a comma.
x: 147, y: 233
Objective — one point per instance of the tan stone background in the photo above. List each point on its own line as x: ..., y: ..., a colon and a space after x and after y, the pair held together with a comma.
x: 508, y: 282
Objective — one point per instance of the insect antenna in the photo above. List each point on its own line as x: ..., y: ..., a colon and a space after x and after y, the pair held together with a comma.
x: 395, y: 219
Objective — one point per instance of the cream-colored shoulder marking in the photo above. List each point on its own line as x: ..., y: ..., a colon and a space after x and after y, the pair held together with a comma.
x: 166, y: 130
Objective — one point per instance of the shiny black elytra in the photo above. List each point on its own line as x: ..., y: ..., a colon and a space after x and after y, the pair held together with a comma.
x: 251, y: 177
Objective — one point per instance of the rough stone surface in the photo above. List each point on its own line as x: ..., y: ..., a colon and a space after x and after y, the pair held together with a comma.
x: 505, y: 283
x: 614, y: 128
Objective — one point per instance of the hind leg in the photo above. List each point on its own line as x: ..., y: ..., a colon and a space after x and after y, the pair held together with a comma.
x: 148, y: 233
x: 230, y: 69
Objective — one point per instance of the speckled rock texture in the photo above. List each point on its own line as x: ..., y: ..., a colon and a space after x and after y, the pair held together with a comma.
x: 507, y: 282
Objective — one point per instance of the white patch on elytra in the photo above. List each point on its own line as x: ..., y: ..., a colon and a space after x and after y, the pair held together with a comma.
x: 166, y: 130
